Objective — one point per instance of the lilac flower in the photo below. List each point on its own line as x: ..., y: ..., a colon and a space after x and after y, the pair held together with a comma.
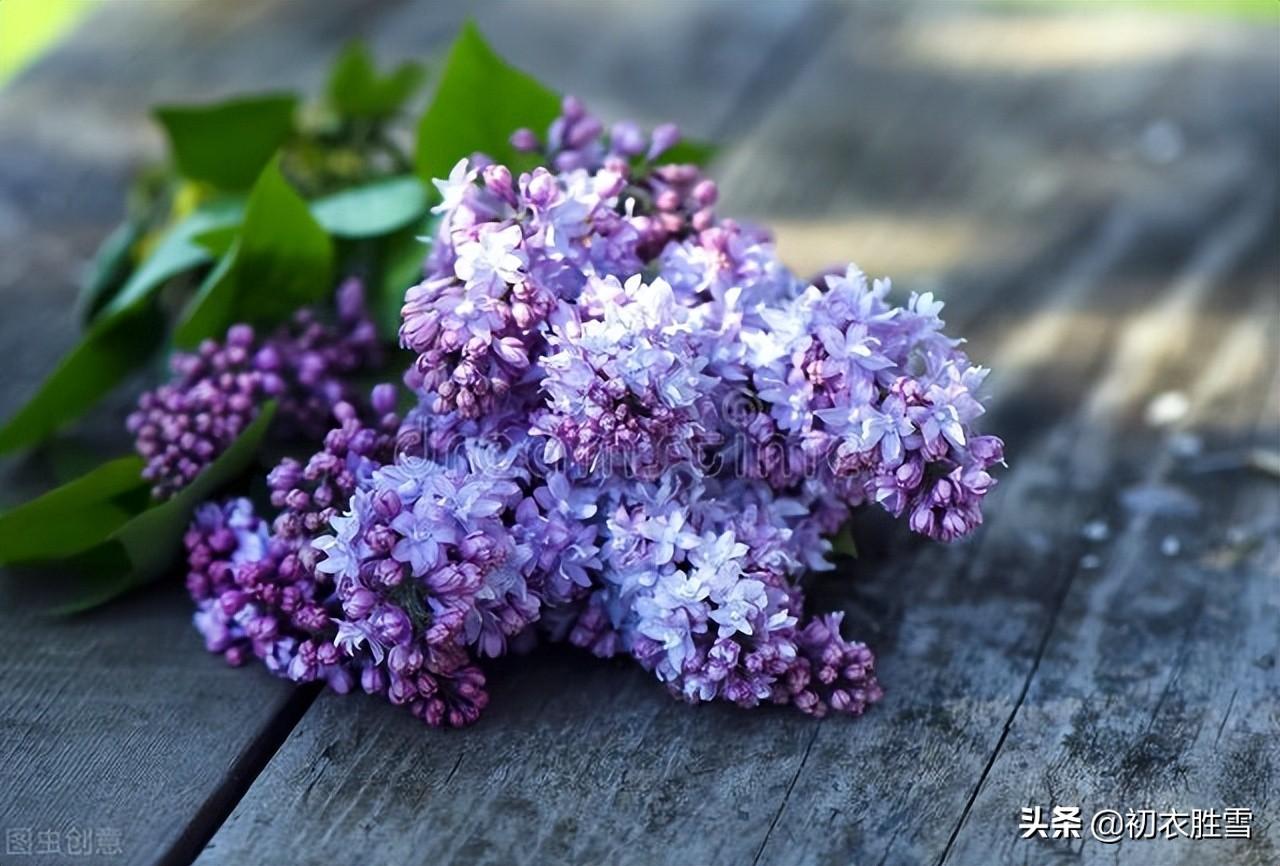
x: 238, y: 576
x: 340, y: 557
x: 668, y: 535
x: 309, y: 495
x: 853, y: 353
x: 352, y: 636
x: 215, y: 392
x: 865, y: 427
x: 453, y: 190
x: 743, y: 601
x: 559, y: 497
x: 937, y: 420
x: 637, y: 431
x: 625, y: 391
x: 423, y: 531
x: 491, y: 262
x: 832, y: 673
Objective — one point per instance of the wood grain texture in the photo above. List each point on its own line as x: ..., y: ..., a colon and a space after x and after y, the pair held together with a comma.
x: 1095, y: 196
x: 116, y: 721
x: 581, y: 761
x: 1156, y: 686
x: 975, y: 620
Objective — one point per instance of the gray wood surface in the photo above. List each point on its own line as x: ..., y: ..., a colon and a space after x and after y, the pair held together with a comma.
x: 120, y: 740
x: 1096, y: 198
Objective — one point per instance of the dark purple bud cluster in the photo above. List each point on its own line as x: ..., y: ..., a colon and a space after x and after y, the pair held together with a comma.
x: 215, y: 392
x: 310, y: 495
x: 255, y: 600
x: 252, y: 596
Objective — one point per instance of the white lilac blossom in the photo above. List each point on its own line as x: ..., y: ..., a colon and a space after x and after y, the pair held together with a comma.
x: 636, y: 430
x: 626, y: 386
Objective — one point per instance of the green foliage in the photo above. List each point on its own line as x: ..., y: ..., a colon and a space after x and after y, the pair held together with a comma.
x: 373, y: 209
x: 126, y: 332
x: 401, y: 260
x: 75, y: 516
x: 143, y: 548
x: 843, y: 544
x: 282, y: 259
x: 213, y: 303
x: 227, y: 144
x: 356, y: 90
x: 688, y: 150
x: 178, y: 251
x: 109, y: 269
x: 479, y: 101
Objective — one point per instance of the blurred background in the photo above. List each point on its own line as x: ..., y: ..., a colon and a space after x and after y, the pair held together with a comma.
x: 940, y: 143
x: 1090, y: 186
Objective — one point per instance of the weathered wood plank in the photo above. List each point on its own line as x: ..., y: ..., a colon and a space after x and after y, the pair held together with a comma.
x: 580, y: 761
x: 1157, y: 687
x: 973, y: 631
x: 1047, y: 240
x: 113, y: 726
x: 117, y: 723
x: 974, y: 621
x: 583, y: 761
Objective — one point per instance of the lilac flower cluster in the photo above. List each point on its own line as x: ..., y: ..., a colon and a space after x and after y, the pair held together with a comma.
x: 636, y: 430
x: 883, y: 397
x: 216, y: 391
x: 349, y: 608
x: 512, y: 250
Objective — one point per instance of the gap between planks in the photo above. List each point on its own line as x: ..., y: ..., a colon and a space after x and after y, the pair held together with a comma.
x: 1211, y: 261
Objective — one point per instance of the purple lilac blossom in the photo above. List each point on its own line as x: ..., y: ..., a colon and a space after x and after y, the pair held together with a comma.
x: 636, y: 431
x: 309, y: 495
x: 216, y: 391
x: 410, y: 579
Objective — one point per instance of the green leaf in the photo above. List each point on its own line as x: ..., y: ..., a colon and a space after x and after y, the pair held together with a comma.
x: 228, y: 143
x: 124, y: 334
x: 479, y: 102
x: 146, y: 546
x: 109, y: 269
x: 219, y: 241
x: 75, y: 516
x: 286, y: 259
x: 281, y: 260
x: 374, y: 209
x: 213, y: 302
x: 67, y: 458
x: 357, y: 90
x: 111, y: 349
x: 686, y: 150
x: 178, y: 251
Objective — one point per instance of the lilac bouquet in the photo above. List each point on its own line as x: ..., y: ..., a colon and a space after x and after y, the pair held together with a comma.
x: 632, y: 428
x: 624, y: 423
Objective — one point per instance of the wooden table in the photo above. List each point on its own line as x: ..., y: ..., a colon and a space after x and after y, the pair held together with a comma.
x: 1095, y: 196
